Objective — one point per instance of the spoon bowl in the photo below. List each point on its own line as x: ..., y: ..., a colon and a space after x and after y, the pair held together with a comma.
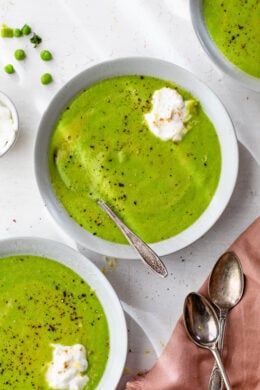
x: 201, y: 323
x: 226, y: 283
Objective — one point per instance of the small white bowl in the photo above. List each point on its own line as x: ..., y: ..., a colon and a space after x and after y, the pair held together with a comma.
x: 163, y: 70
x: 200, y: 28
x: 6, y: 102
x: 94, y: 277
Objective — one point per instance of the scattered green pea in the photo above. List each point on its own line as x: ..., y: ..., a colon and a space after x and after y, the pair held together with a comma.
x: 26, y: 30
x: 46, y: 78
x: 46, y: 55
x: 18, y: 32
x: 19, y: 54
x: 9, y: 69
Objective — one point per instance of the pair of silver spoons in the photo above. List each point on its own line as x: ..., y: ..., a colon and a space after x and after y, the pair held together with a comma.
x: 226, y: 287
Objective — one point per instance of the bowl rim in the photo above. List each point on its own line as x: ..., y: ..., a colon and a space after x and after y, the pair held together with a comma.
x: 88, y: 271
x: 4, y: 98
x: 157, y: 68
x: 216, y: 56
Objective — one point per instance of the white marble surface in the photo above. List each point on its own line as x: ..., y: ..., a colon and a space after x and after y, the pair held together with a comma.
x: 79, y: 34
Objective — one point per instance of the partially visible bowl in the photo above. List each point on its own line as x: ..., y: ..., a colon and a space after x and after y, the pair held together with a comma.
x: 8, y: 137
x: 200, y: 28
x: 163, y: 70
x: 95, y: 279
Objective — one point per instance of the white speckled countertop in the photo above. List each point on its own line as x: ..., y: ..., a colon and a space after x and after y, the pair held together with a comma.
x: 79, y: 34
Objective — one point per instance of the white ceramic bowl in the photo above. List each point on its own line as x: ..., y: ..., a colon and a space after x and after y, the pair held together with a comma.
x: 200, y: 28
x: 150, y: 67
x: 6, y: 101
x: 94, y: 277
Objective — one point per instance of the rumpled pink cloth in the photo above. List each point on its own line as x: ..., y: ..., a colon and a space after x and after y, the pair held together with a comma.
x: 184, y: 366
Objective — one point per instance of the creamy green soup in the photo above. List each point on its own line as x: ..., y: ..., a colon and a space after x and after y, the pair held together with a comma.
x: 41, y: 303
x: 102, y: 148
x: 234, y: 26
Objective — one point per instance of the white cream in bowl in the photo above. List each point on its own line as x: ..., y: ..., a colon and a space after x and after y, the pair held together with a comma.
x: 8, y: 124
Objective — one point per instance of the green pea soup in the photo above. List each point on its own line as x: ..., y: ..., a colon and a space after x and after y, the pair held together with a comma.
x: 43, y: 302
x: 102, y: 148
x: 235, y: 29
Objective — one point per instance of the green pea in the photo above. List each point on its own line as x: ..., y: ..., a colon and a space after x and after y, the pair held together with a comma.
x: 9, y: 69
x: 46, y: 78
x: 19, y: 54
x: 26, y: 30
x: 18, y: 32
x: 46, y: 55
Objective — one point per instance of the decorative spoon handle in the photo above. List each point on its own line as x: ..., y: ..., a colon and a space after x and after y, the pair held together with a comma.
x: 216, y: 381
x: 221, y: 368
x: 222, y: 327
x: 148, y: 256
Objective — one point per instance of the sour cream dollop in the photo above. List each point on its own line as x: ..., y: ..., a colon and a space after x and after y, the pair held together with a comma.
x: 169, y: 114
x: 66, y: 369
x: 7, y: 129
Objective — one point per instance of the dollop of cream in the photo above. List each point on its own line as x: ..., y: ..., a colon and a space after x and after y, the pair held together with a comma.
x: 169, y: 114
x: 66, y: 370
x: 7, y: 129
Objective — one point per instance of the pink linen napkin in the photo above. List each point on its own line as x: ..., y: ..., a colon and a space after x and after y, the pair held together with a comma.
x: 184, y: 366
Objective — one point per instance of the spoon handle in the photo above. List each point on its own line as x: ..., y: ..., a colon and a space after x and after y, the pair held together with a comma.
x: 215, y: 352
x: 148, y: 256
x: 222, y: 327
x: 216, y: 380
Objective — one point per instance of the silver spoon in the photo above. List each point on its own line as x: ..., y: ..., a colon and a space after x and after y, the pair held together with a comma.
x: 226, y: 287
x: 201, y: 323
x: 147, y: 255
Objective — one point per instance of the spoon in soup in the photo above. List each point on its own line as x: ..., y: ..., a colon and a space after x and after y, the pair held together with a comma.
x: 147, y: 255
x: 201, y: 323
x: 226, y: 287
